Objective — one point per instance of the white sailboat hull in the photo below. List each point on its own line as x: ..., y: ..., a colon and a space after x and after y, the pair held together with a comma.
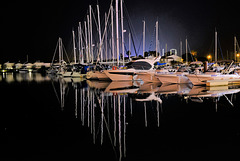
x: 146, y: 76
x: 176, y: 78
x: 73, y: 74
x: 120, y: 74
x: 91, y: 75
x: 202, y: 79
x: 97, y: 75
x: 102, y: 76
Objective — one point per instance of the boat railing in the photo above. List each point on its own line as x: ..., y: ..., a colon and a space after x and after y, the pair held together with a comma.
x: 227, y: 71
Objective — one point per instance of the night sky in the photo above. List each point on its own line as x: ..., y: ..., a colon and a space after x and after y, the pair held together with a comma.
x: 33, y: 28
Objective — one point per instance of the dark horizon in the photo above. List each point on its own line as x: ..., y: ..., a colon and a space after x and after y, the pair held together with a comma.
x: 33, y: 28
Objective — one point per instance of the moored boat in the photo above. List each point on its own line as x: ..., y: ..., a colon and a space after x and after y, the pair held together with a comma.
x: 132, y: 68
x: 203, y: 78
x: 173, y: 77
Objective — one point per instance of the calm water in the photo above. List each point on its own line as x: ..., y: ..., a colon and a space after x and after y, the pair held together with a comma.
x: 74, y: 119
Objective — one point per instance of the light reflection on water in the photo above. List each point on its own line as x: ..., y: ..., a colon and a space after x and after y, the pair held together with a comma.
x: 131, y: 117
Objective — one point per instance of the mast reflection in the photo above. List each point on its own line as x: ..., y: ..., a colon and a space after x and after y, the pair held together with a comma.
x: 106, y: 108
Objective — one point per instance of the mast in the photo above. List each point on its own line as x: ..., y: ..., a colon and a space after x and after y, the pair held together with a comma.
x: 129, y: 46
x: 235, y: 48
x: 180, y: 48
x: 117, y: 36
x: 86, y: 41
x: 123, y: 51
x: 143, y: 37
x: 166, y: 49
x: 215, y: 45
x: 81, y: 43
x: 186, y: 52
x: 156, y: 38
x: 91, y: 41
x: 106, y: 57
x: 99, y: 32
x: 112, y: 34
x: 74, y: 47
x: 59, y: 49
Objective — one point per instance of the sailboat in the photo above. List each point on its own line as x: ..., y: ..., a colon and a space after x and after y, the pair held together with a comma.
x: 57, y: 67
x: 74, y: 70
x: 172, y: 78
x: 215, y: 78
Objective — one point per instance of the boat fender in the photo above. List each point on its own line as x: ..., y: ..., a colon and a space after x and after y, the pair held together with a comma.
x: 114, y: 68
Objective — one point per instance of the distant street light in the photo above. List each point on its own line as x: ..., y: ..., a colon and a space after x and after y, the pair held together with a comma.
x: 238, y: 57
x: 209, y: 57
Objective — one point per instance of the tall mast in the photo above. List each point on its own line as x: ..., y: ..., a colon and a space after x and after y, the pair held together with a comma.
x: 117, y: 36
x: 74, y: 48
x: 186, y: 52
x: 112, y: 33
x: 81, y: 43
x: 123, y: 51
x: 86, y: 41
x: 143, y: 37
x: 99, y: 32
x: 180, y: 48
x: 235, y: 48
x: 91, y: 41
x: 156, y: 38
x: 106, y: 57
x: 59, y: 49
x: 215, y: 45
x: 129, y: 46
x: 166, y: 49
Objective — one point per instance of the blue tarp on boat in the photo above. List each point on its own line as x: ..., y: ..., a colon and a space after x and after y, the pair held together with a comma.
x: 161, y: 63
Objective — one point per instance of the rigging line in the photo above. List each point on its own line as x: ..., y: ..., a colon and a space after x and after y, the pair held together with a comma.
x: 104, y: 33
x: 94, y: 18
x: 84, y: 38
x: 151, y: 42
x: 159, y: 41
x: 238, y: 46
x: 190, y: 51
x: 228, y: 100
x: 55, y: 52
x: 131, y: 28
x: 140, y: 44
x: 55, y: 91
x: 220, y: 47
x: 97, y: 26
x: 66, y: 53
x: 210, y: 49
x: 125, y: 47
x: 72, y: 50
x: 104, y: 118
x: 133, y: 42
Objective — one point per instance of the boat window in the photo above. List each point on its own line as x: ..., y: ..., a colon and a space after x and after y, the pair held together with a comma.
x: 140, y: 65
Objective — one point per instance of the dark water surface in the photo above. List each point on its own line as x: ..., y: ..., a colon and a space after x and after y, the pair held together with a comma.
x: 53, y: 118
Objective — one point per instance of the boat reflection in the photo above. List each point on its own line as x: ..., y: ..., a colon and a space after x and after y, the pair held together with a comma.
x: 121, y: 87
x: 180, y: 89
x: 107, y: 108
x: 198, y: 94
x: 113, y: 114
x: 98, y: 84
x: 200, y: 91
x: 23, y: 77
